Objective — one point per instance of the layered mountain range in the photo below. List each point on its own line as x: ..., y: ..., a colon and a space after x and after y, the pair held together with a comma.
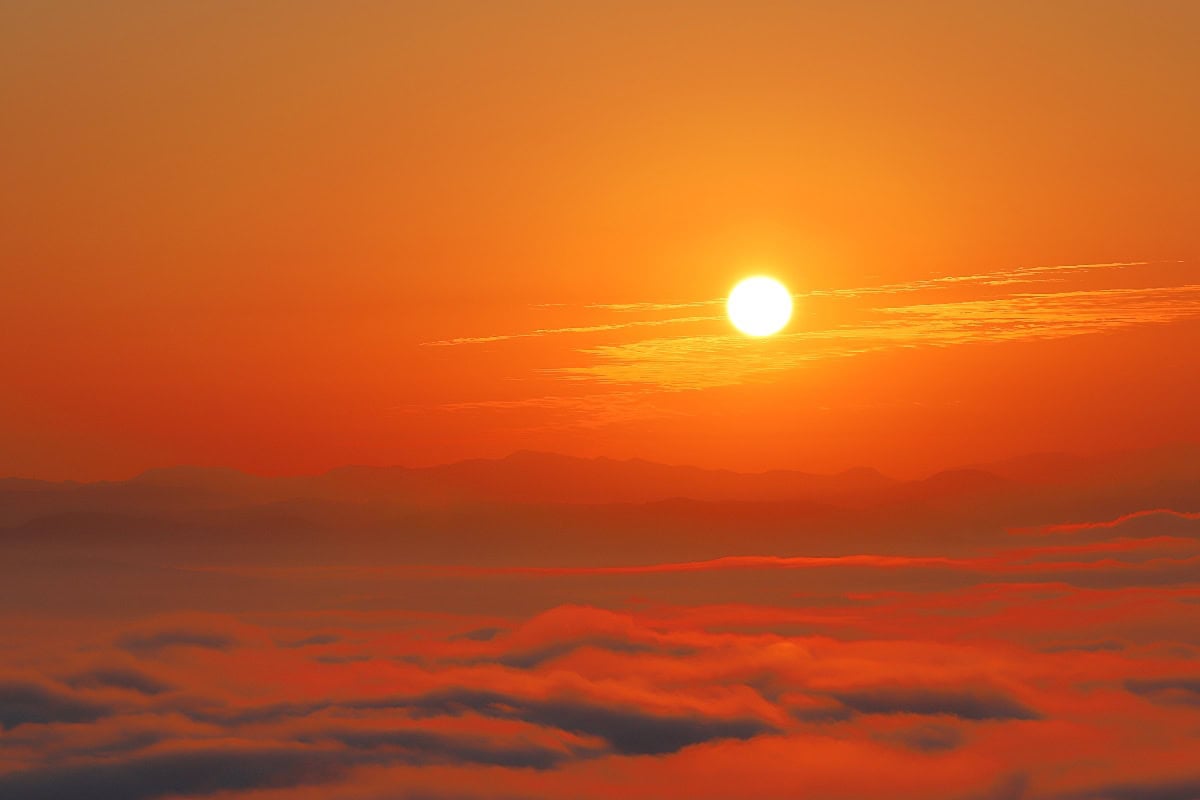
x: 566, y: 509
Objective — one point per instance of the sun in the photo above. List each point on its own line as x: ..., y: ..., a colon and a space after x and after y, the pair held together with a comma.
x: 759, y: 306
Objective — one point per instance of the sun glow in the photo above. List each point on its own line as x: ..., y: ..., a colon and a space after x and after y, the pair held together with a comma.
x: 759, y: 306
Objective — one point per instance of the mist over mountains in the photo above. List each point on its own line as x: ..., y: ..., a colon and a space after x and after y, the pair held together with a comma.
x: 559, y: 509
x: 534, y: 477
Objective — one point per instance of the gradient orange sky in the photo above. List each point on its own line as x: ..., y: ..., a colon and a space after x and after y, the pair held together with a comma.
x: 287, y: 236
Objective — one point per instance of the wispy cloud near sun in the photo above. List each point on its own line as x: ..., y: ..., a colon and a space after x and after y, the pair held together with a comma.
x: 995, y: 306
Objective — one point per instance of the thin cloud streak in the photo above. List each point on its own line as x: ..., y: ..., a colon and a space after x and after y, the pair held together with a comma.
x: 700, y: 362
x: 615, y: 326
x: 1008, y: 277
x: 997, y: 278
x: 627, y: 375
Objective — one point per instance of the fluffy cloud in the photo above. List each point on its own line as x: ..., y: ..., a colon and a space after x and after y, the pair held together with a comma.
x: 26, y: 702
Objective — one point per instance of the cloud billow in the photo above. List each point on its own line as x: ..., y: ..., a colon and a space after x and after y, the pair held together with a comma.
x: 968, y: 704
x: 31, y: 703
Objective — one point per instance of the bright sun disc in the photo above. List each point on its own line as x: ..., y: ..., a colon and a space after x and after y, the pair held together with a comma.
x: 759, y: 306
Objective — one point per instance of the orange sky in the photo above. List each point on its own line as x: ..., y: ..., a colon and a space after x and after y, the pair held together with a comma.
x: 266, y: 235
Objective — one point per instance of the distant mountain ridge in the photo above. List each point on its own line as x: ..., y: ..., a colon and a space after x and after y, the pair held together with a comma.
x: 538, y: 508
x: 534, y: 478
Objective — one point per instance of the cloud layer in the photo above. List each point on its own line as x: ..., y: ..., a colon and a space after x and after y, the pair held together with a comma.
x: 1054, y: 662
